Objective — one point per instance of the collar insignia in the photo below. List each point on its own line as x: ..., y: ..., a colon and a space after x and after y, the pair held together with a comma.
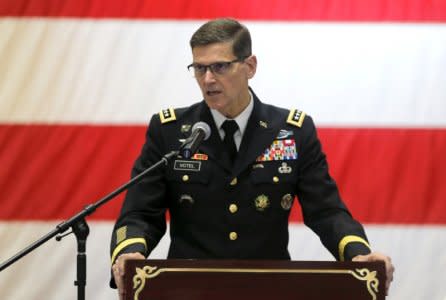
x: 263, y: 124
x: 185, y: 128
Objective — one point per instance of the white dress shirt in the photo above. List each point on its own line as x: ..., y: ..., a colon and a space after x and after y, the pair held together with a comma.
x: 241, y: 120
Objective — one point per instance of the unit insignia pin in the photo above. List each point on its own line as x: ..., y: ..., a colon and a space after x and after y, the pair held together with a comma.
x: 200, y: 156
x: 287, y: 202
x: 263, y: 124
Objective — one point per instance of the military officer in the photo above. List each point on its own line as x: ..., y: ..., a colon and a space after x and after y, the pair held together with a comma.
x: 233, y: 197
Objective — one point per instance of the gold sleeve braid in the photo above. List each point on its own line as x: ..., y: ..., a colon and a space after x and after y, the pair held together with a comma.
x: 350, y: 239
x: 127, y: 243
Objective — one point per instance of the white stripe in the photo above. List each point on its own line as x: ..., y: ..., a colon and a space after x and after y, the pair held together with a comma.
x: 121, y: 71
x: 49, y: 271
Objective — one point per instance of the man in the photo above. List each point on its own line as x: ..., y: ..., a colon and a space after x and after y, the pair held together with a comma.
x: 232, y: 199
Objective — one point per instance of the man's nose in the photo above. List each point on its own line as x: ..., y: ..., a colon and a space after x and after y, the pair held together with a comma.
x: 208, y: 76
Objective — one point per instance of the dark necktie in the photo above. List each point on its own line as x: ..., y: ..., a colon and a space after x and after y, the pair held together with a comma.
x: 230, y: 127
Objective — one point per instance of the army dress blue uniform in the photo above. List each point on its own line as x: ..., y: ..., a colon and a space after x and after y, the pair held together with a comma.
x: 240, y: 210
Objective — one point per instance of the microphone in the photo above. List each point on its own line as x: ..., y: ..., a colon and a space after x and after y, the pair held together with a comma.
x: 200, y: 132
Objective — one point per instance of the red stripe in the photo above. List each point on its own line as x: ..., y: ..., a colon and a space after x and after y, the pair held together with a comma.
x: 390, y: 175
x: 50, y: 172
x: 305, y: 10
x: 385, y: 175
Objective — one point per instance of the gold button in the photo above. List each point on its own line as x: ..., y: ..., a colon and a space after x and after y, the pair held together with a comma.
x: 234, y: 181
x: 276, y: 179
x: 233, y: 236
x: 233, y: 208
x: 185, y: 177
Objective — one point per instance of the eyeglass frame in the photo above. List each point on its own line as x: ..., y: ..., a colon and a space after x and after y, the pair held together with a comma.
x: 211, y: 67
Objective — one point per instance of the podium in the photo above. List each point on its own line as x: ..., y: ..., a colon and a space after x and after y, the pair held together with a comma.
x: 252, y: 279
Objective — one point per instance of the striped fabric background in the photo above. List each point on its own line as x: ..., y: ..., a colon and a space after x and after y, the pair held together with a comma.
x: 79, y: 81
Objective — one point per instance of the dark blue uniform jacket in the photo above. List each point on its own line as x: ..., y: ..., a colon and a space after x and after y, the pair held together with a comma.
x: 238, y: 211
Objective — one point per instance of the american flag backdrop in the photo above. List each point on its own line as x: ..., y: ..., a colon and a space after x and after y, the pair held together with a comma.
x: 80, y: 79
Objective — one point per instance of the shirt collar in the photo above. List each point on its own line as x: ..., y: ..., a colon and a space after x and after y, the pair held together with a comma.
x: 241, y: 119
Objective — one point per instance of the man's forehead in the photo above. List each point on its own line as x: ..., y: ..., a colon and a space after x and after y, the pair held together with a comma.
x: 213, y: 52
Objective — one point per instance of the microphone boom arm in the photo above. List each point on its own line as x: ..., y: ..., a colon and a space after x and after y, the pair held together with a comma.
x: 80, y: 227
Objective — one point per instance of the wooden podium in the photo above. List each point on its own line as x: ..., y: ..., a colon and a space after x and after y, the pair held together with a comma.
x: 251, y: 279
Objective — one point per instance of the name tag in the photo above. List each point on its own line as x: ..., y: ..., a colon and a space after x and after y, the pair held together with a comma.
x: 186, y: 165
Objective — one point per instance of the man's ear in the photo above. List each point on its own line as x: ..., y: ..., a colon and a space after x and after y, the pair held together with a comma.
x: 251, y: 63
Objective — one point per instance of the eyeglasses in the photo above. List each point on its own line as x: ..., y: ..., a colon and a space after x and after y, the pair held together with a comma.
x: 217, y: 68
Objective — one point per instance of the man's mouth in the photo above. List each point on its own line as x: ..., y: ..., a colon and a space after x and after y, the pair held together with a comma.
x: 212, y: 93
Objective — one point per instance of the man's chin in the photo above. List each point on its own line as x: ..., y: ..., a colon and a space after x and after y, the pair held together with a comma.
x: 214, y: 103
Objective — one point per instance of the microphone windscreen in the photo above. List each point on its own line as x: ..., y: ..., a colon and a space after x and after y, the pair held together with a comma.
x: 203, y: 126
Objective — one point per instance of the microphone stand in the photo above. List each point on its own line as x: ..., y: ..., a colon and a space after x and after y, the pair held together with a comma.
x: 80, y: 228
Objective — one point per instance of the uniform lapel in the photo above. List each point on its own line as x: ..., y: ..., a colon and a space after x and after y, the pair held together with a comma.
x: 259, y: 134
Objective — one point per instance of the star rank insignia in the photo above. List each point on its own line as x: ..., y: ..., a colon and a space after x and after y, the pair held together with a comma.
x: 167, y: 115
x: 296, y: 117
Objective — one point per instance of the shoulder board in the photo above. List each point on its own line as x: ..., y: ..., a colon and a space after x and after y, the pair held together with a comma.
x: 167, y: 115
x: 296, y: 117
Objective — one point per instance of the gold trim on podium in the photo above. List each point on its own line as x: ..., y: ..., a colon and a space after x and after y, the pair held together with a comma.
x: 148, y: 272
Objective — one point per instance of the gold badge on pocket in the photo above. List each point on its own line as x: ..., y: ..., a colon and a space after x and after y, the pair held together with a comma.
x: 261, y: 202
